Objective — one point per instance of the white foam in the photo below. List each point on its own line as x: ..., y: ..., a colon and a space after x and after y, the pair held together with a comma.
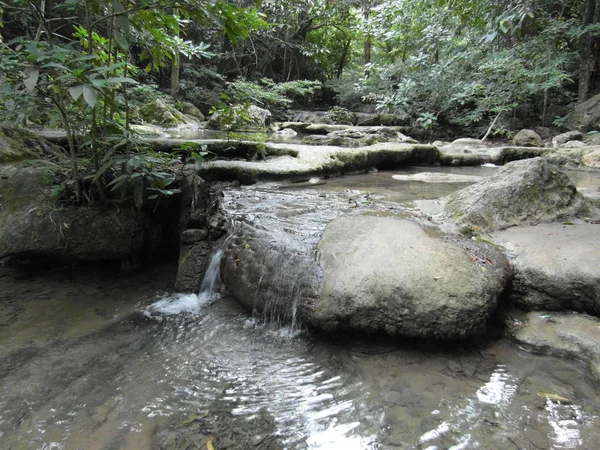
x: 181, y: 303
x: 489, y: 165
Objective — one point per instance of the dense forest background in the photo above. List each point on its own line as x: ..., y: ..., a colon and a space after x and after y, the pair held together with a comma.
x: 88, y: 66
x: 460, y: 62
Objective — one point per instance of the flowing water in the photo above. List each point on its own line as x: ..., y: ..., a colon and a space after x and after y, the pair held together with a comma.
x: 90, y: 359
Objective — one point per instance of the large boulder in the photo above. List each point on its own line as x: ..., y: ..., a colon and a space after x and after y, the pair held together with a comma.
x: 521, y: 192
x: 527, y: 138
x: 34, y: 223
x: 190, y: 109
x: 18, y: 145
x: 463, y: 145
x: 371, y: 274
x: 251, y: 118
x: 31, y: 223
x: 556, y: 266
x: 387, y: 274
x: 585, y: 116
x: 160, y: 113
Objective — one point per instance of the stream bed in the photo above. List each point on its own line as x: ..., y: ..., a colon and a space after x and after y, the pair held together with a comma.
x: 92, y: 359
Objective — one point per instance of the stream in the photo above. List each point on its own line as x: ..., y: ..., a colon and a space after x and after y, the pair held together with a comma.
x: 94, y: 359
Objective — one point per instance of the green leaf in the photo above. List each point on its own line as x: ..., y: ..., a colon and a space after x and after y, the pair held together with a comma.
x: 76, y: 91
x: 89, y: 95
x: 120, y: 39
x: 31, y: 78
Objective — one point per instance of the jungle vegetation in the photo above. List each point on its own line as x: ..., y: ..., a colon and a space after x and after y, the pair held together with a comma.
x: 87, y: 66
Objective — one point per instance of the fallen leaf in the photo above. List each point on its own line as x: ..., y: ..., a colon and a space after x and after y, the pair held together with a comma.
x: 553, y: 397
x: 209, y: 445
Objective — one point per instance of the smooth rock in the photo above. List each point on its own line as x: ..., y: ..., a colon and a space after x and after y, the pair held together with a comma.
x: 438, y: 177
x: 462, y: 144
x: 160, y: 113
x: 521, y: 192
x: 193, y: 235
x: 592, y: 159
x: 563, y: 138
x: 259, y: 119
x: 388, y: 274
x: 191, y: 110
x: 585, y: 116
x: 193, y: 262
x: 368, y: 274
x: 556, y: 266
x: 575, y: 336
x: 574, y: 144
x: 527, y: 138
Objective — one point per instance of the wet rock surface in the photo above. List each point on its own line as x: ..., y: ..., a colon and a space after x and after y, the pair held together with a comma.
x: 386, y: 274
x: 567, y: 335
x: 367, y: 273
x: 556, y: 266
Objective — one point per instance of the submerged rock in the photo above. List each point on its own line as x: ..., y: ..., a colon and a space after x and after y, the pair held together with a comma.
x: 575, y: 336
x: 521, y: 192
x: 369, y: 274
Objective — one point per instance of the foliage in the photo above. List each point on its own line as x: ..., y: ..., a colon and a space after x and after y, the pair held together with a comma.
x: 340, y: 115
x: 82, y: 79
x: 276, y: 97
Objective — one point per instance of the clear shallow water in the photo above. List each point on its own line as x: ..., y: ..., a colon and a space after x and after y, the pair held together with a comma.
x: 93, y: 360
x: 178, y: 378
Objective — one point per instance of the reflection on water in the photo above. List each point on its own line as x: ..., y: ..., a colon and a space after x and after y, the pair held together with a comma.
x: 212, y: 373
x: 125, y: 363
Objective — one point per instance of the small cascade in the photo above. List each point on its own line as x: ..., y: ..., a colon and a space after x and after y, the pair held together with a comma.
x: 212, y: 278
x: 192, y: 303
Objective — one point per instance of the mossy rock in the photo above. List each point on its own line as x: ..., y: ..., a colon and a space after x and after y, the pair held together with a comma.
x: 191, y: 110
x: 159, y: 113
x: 520, y: 193
x: 19, y: 145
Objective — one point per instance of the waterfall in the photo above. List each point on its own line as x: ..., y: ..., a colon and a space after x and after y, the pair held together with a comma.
x: 192, y: 303
x: 212, y: 278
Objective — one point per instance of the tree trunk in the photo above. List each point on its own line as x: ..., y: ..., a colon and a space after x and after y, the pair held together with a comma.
x: 368, y: 45
x: 586, y: 54
x: 175, y: 74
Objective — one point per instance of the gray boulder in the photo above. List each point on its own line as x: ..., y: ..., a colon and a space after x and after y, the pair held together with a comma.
x: 527, y: 138
x: 556, y: 266
x: 574, y: 336
x: 585, y: 116
x: 160, y: 113
x: 386, y: 274
x: 373, y: 274
x: 32, y: 224
x: 561, y: 139
x: 191, y: 110
x: 255, y: 119
x: 463, y: 145
x: 521, y: 192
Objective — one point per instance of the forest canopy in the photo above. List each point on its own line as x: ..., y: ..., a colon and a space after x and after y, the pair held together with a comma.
x: 89, y: 67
